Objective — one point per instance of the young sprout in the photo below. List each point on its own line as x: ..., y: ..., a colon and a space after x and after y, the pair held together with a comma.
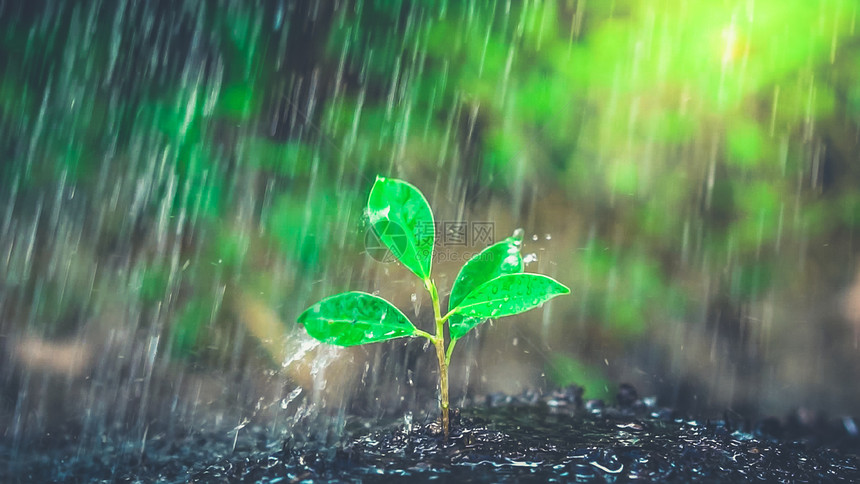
x: 491, y: 284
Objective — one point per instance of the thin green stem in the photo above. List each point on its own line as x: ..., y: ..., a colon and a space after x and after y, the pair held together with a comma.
x: 443, y: 386
x: 424, y: 334
x: 439, y: 342
x: 434, y: 296
x: 448, y: 353
x: 449, y: 314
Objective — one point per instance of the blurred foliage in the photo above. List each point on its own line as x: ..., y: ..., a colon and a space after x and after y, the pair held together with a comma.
x: 697, y: 143
x: 688, y: 123
x: 564, y: 370
x: 624, y: 290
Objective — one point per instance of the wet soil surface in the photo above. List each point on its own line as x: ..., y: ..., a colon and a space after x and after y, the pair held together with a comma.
x: 549, y: 438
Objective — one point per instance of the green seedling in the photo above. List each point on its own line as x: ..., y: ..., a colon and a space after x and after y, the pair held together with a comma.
x: 491, y: 284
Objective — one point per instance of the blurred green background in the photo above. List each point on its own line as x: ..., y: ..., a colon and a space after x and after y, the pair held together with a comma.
x: 179, y: 180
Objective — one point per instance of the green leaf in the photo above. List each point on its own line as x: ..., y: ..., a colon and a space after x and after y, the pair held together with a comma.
x: 500, y: 258
x: 503, y: 296
x: 355, y: 318
x: 401, y: 218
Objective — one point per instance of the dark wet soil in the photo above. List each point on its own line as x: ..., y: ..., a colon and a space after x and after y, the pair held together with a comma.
x: 549, y: 438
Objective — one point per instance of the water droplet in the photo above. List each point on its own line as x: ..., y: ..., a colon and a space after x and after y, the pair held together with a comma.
x: 518, y: 237
x: 548, y: 237
x: 529, y: 258
x: 292, y: 396
x: 416, y: 303
x: 534, y: 237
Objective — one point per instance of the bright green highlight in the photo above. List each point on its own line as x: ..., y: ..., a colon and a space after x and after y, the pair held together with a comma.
x: 355, y: 318
x: 401, y: 204
x: 491, y: 284
x: 500, y: 258
x: 505, y: 295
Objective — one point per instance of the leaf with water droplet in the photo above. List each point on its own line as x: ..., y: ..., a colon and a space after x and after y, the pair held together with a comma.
x: 354, y: 318
x: 503, y: 296
x: 402, y: 219
x: 500, y: 258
